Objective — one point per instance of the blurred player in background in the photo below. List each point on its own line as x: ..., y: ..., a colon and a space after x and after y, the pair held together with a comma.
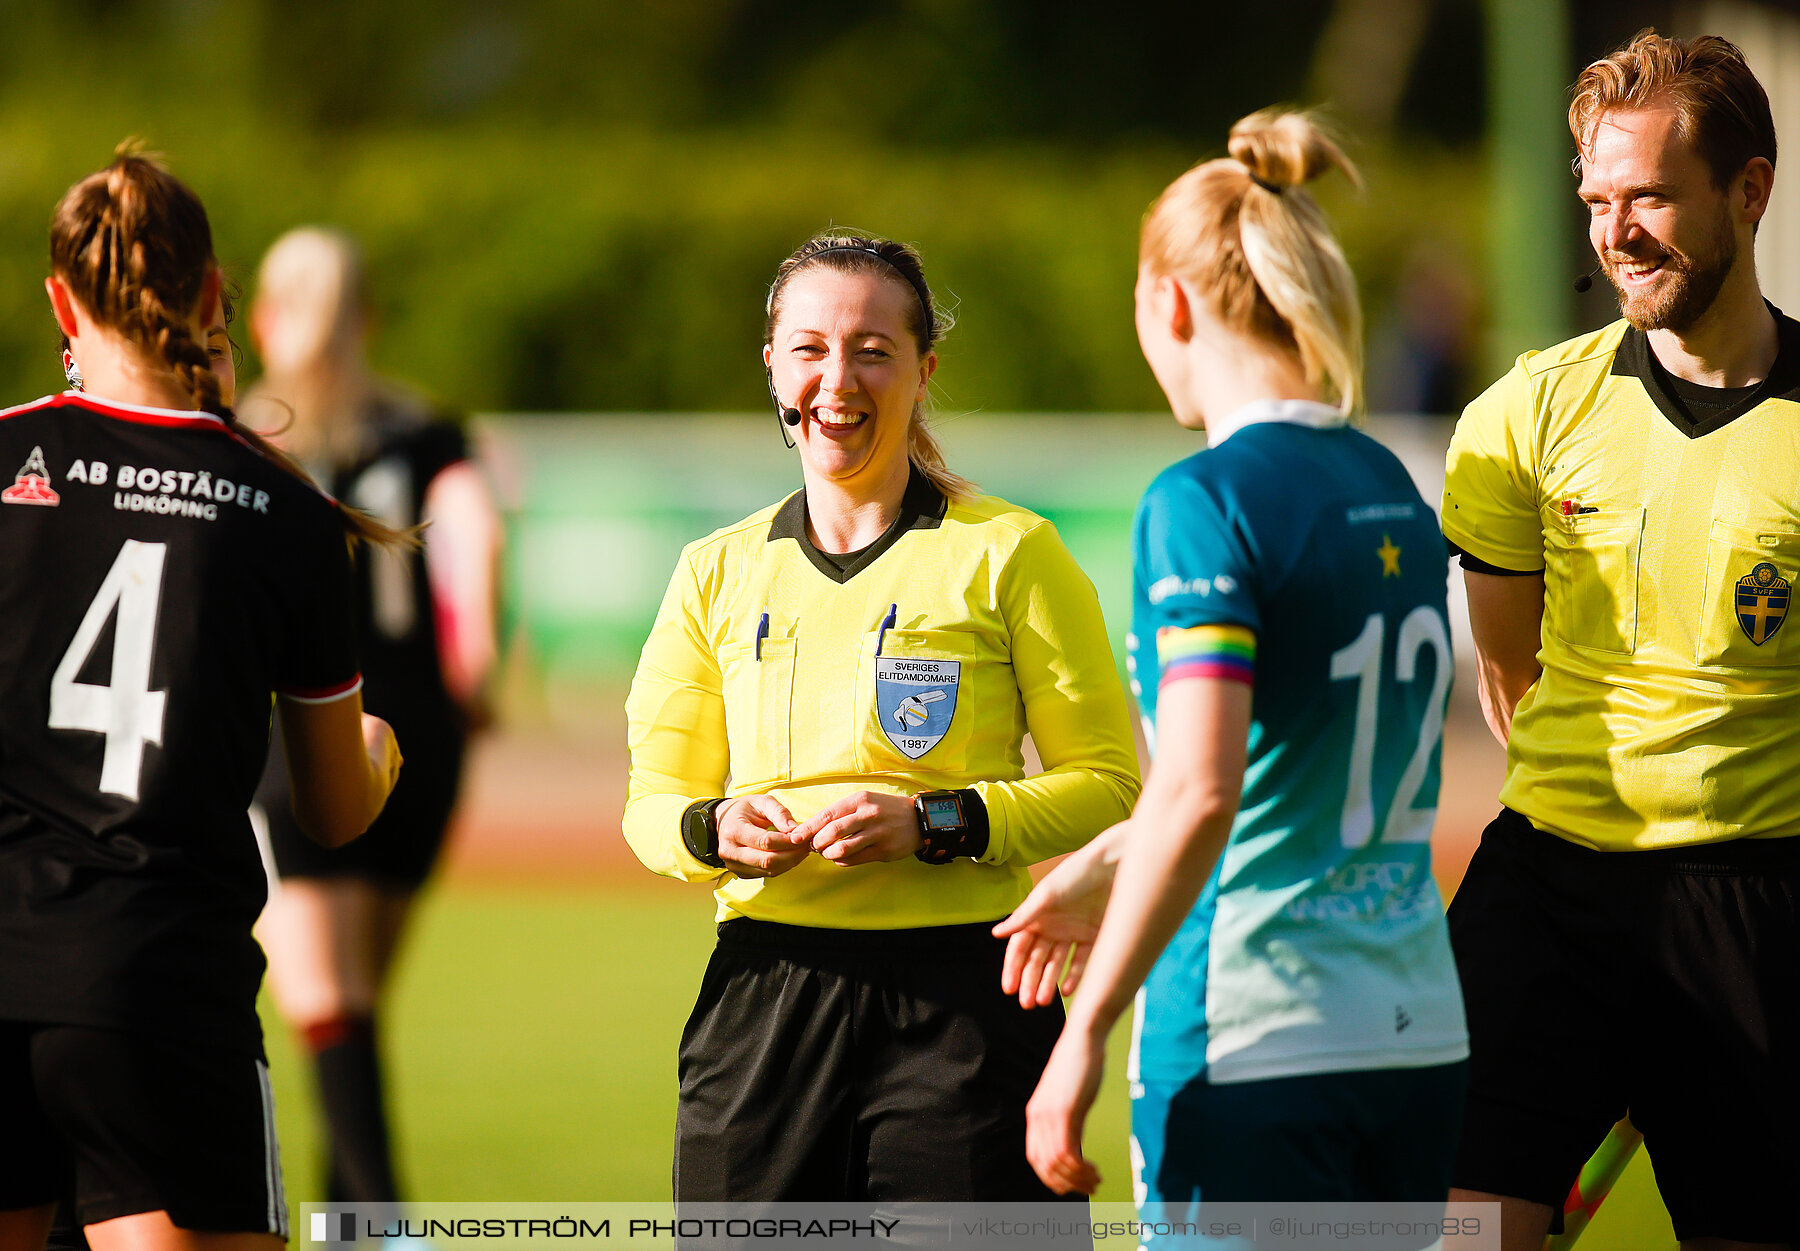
x: 826, y: 727
x: 1300, y: 1035
x: 1628, y: 513
x: 161, y: 573
x: 426, y: 619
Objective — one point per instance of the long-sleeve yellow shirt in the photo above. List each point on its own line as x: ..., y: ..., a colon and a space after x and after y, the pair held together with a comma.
x: 995, y: 632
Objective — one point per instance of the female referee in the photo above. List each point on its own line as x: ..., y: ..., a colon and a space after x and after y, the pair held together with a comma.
x: 161, y: 573
x: 1300, y: 1035
x: 825, y: 726
x: 426, y: 621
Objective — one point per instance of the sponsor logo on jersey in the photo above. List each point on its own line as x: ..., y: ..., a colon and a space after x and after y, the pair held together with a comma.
x: 31, y: 485
x: 168, y: 492
x: 1380, y: 512
x: 1762, y: 602
x: 915, y: 701
x: 1174, y: 584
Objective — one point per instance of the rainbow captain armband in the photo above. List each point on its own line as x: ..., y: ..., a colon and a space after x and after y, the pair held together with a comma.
x: 1208, y: 651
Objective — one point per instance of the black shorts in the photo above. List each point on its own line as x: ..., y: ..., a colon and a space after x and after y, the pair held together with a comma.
x: 850, y: 1065
x: 400, y: 848
x: 129, y: 1123
x: 1666, y: 983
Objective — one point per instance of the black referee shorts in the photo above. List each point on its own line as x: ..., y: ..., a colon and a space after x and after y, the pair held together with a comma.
x: 1666, y: 983
x: 849, y: 1065
x: 128, y: 1123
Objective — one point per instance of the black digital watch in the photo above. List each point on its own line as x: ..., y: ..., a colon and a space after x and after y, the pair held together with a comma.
x: 951, y: 824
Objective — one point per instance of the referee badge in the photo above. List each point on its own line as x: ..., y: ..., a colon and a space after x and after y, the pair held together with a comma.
x: 1762, y: 602
x: 915, y: 700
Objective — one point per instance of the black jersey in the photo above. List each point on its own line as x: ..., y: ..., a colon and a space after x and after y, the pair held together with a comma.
x: 158, y: 579
x: 397, y: 622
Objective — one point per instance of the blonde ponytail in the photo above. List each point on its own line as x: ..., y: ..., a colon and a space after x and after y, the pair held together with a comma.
x: 1253, y: 244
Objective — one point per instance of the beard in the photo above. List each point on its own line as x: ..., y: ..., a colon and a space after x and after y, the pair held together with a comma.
x: 1687, y: 287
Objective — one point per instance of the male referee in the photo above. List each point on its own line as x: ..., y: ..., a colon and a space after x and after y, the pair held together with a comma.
x: 1627, y: 506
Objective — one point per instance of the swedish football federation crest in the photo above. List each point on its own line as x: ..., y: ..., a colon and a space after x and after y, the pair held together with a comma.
x: 915, y: 700
x: 1762, y: 602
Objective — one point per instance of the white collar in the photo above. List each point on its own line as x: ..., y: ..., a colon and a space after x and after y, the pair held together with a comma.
x: 1294, y: 412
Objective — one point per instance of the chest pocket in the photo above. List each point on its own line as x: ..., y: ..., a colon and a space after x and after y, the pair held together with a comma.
x: 759, y: 701
x: 915, y: 705
x: 1749, y: 590
x: 1591, y: 578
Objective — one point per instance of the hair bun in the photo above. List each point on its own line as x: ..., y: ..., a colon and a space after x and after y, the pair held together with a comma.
x: 1285, y: 149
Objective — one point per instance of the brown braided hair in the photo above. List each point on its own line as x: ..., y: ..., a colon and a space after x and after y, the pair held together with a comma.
x: 133, y: 246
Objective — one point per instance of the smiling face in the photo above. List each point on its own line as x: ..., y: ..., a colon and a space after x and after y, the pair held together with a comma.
x: 1664, y: 232
x: 844, y: 353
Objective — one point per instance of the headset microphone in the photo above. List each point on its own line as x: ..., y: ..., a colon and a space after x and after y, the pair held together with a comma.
x: 789, y: 416
x: 1585, y: 283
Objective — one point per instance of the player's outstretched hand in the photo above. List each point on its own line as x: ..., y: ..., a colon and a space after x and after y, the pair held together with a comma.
x: 1051, y: 934
x: 862, y: 828
x: 384, y: 751
x: 757, y: 837
x: 1058, y: 1111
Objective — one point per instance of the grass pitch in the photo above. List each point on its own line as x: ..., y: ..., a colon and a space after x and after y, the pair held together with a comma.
x: 531, y: 1048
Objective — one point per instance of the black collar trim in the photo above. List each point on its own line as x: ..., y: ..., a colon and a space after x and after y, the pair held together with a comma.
x: 1633, y: 360
x: 921, y: 508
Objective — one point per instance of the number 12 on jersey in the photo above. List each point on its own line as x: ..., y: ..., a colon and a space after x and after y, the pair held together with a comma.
x: 127, y: 712
x: 1361, y: 659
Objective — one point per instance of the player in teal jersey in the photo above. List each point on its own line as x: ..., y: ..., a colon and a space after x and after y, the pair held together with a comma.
x: 1300, y: 1035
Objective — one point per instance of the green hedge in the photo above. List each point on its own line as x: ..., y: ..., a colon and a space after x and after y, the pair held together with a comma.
x: 587, y: 269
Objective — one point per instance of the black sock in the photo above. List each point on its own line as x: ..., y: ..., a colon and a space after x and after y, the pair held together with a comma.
x: 349, y: 1074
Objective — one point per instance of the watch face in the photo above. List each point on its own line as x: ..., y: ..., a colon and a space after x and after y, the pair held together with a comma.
x: 943, y: 812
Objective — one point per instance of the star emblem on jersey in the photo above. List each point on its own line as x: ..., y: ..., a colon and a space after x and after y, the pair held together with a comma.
x: 915, y: 700
x: 31, y: 485
x: 1762, y: 602
x: 1390, y: 558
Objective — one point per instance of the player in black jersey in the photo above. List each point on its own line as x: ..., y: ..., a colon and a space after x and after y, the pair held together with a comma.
x: 426, y: 621
x: 222, y: 354
x: 162, y: 573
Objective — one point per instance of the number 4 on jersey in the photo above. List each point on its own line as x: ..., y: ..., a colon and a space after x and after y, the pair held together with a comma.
x: 127, y: 712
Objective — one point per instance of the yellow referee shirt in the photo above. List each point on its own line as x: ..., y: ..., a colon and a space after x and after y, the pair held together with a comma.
x: 769, y: 670
x: 1668, y: 712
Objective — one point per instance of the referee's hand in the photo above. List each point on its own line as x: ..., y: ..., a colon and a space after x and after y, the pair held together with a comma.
x: 757, y: 837
x: 864, y: 827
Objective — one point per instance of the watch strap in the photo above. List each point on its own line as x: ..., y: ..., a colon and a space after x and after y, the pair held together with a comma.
x: 700, y: 831
x: 970, y: 839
